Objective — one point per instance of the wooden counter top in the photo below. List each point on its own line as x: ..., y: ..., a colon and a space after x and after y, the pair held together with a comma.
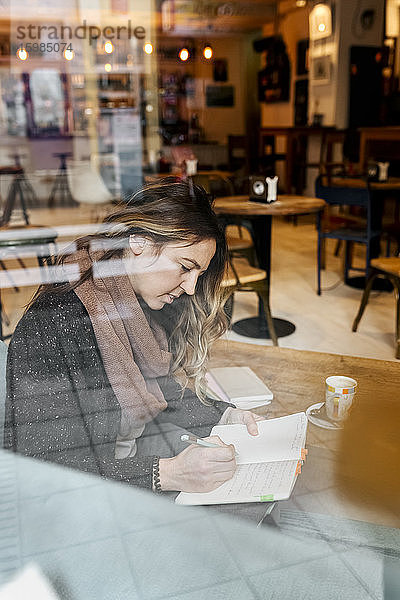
x: 368, y: 448
x: 285, y: 205
x: 297, y: 378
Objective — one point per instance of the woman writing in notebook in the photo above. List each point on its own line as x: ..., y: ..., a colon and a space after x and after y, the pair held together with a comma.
x: 99, y: 367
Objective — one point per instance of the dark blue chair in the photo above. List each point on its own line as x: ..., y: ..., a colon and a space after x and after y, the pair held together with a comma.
x: 347, y: 229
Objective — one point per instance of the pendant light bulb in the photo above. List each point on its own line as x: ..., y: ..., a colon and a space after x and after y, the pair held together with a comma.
x: 184, y: 54
x: 207, y: 52
x: 68, y: 54
x: 22, y: 54
x: 108, y: 47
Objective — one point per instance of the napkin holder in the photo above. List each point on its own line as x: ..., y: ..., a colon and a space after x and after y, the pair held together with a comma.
x: 263, y: 189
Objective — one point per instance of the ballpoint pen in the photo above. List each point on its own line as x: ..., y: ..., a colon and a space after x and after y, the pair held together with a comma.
x: 192, y: 439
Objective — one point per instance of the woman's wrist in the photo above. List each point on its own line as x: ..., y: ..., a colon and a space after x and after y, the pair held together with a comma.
x: 166, y: 475
x: 224, y: 420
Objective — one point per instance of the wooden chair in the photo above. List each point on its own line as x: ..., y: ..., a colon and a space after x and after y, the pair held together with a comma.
x: 242, y: 277
x: 331, y: 159
x: 240, y: 243
x: 388, y: 267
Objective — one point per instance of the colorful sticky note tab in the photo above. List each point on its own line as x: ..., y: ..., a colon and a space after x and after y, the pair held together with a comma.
x: 267, y: 498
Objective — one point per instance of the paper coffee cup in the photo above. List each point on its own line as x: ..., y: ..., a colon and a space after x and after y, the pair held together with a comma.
x: 339, y: 395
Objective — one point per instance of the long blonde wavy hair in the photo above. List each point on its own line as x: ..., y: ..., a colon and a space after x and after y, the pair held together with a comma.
x: 168, y: 213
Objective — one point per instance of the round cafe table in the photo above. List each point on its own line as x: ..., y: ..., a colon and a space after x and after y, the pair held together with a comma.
x: 260, y: 215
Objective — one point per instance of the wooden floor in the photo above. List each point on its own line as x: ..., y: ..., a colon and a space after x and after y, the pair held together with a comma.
x: 323, y: 323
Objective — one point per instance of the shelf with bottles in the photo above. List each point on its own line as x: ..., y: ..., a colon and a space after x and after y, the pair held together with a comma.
x: 113, y: 91
x: 173, y: 91
x: 115, y: 82
x: 105, y: 101
x: 175, y: 84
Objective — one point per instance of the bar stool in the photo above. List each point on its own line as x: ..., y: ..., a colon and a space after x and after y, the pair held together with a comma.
x: 29, y: 193
x: 60, y: 185
x: 16, y: 190
x: 388, y: 267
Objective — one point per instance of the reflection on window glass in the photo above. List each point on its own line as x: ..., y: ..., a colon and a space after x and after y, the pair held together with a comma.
x: 47, y: 99
x: 12, y: 105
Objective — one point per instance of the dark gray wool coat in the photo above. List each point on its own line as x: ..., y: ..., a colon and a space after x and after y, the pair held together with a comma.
x: 60, y: 406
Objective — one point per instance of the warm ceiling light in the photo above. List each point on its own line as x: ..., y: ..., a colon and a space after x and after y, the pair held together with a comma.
x: 184, y: 54
x: 68, y: 54
x: 148, y: 48
x: 22, y: 54
x: 207, y: 52
x: 301, y: 3
x: 320, y: 22
x: 107, y: 67
x: 108, y: 47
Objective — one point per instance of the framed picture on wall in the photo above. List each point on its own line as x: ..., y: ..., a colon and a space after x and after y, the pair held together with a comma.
x: 220, y: 69
x: 321, y: 70
x: 220, y: 95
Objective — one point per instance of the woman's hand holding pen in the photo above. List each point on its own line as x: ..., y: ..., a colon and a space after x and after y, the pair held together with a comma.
x: 198, y: 469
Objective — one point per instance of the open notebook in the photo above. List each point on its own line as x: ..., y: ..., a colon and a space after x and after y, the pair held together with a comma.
x: 238, y: 385
x: 267, y: 464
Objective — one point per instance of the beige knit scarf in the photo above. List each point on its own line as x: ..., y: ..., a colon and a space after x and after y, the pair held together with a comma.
x: 134, y: 349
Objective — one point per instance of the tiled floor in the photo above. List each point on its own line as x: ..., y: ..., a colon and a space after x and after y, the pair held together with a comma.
x: 323, y: 323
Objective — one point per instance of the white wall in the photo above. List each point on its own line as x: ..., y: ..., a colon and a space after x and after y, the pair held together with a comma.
x: 392, y: 18
x: 332, y: 99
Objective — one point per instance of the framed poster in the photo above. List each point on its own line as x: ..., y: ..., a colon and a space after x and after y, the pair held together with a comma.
x: 220, y: 69
x: 321, y: 70
x: 274, y: 79
x: 220, y: 95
